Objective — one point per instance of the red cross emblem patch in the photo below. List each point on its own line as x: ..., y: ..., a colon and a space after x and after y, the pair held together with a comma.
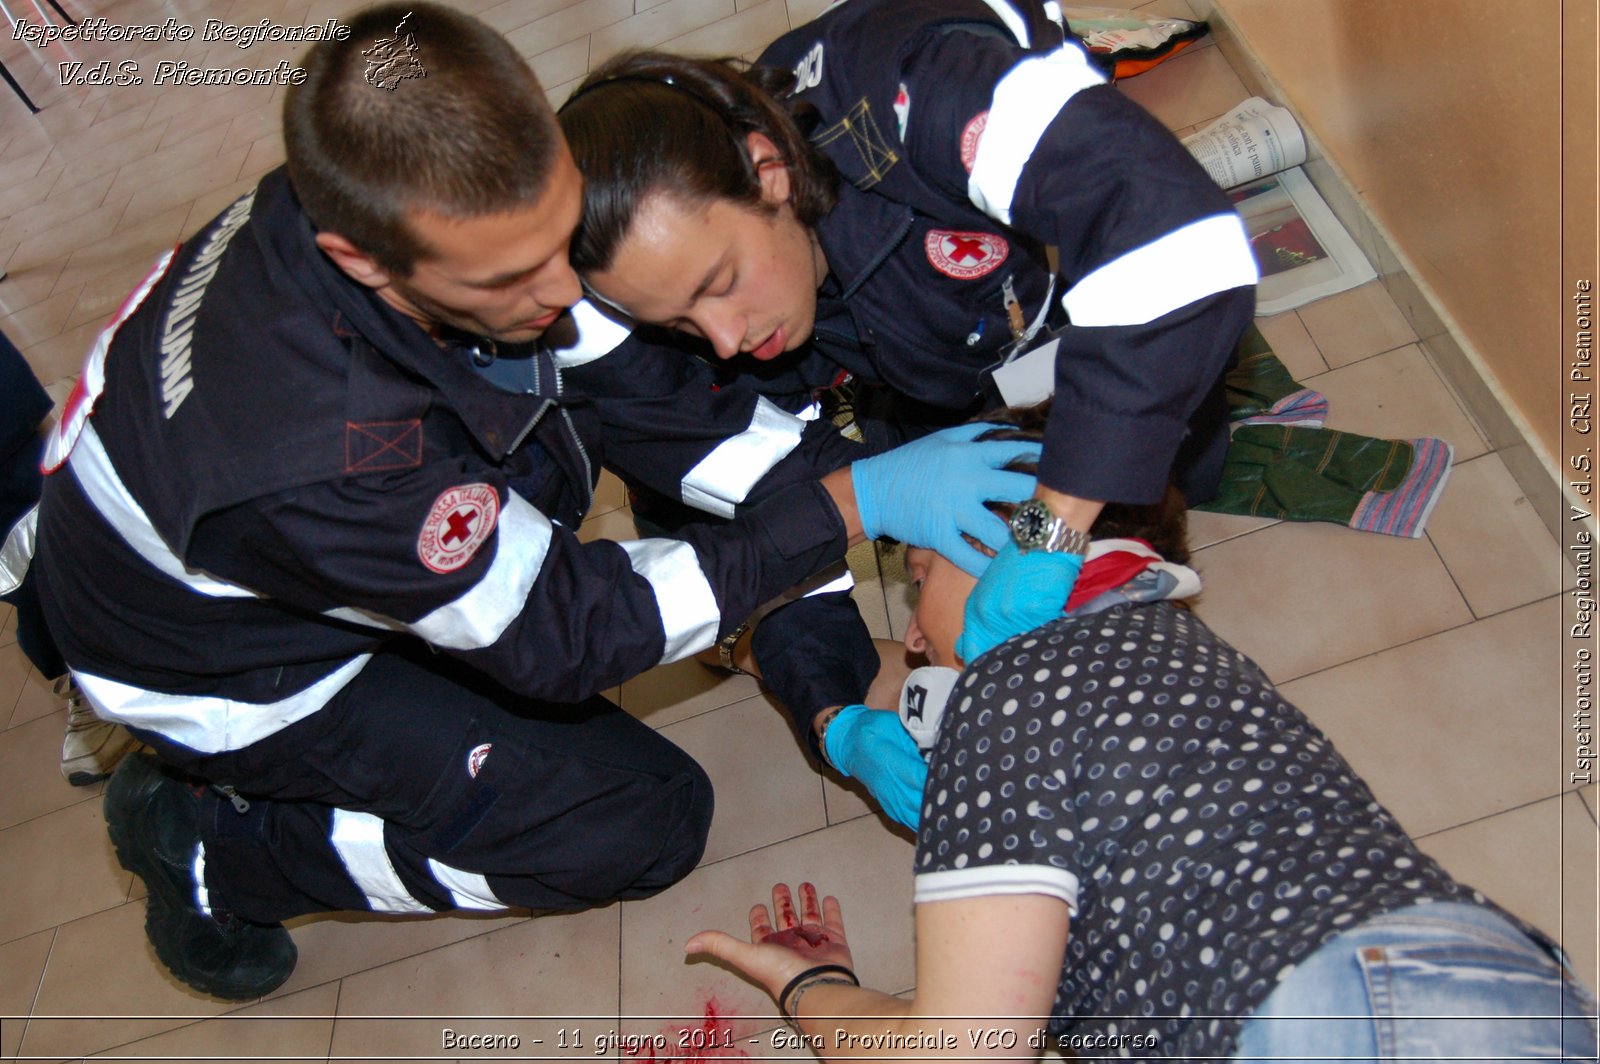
x: 461, y: 519
x: 965, y: 255
x: 970, y: 138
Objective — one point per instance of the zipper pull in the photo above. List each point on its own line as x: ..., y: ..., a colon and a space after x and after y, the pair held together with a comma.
x: 240, y: 804
x: 1019, y: 324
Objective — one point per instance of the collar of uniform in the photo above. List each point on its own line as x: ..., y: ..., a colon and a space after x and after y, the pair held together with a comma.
x: 497, y: 419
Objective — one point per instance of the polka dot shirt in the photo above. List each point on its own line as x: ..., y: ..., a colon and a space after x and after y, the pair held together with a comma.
x: 1206, y: 836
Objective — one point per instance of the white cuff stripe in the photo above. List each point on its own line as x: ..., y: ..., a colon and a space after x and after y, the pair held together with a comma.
x: 17, y: 552
x: 205, y: 723
x: 689, y: 611
x: 486, y: 610
x: 197, y: 868
x: 1025, y: 102
x: 598, y: 336
x: 98, y: 478
x: 1198, y: 260
x: 724, y: 477
x: 989, y: 880
x: 359, y: 839
x: 469, y: 889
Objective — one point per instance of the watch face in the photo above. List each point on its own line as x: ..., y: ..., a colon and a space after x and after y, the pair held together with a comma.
x: 1030, y: 523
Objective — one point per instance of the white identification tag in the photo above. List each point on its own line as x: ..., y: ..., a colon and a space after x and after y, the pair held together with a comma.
x: 1029, y: 379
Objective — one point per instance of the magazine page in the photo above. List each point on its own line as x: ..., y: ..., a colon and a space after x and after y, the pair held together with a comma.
x: 1300, y: 247
x: 1251, y: 141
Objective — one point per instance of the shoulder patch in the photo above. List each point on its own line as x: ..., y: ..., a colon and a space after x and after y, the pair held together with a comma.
x: 970, y: 136
x: 965, y: 256
x: 461, y: 519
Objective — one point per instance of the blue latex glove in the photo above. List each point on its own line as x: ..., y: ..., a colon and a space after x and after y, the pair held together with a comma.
x: 929, y: 491
x: 1017, y: 594
x: 871, y: 745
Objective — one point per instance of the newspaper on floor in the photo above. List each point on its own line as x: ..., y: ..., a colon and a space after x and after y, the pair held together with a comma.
x: 1303, y: 252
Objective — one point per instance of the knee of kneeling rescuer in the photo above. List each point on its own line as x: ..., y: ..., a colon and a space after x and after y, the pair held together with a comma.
x: 679, y: 829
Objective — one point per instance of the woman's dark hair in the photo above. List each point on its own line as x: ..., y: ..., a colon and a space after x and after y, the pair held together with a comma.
x: 648, y: 122
x: 1164, y: 525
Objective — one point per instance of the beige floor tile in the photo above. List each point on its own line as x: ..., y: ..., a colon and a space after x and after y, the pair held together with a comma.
x: 568, y: 23
x: 95, y: 1005
x: 1190, y: 88
x: 27, y: 285
x: 610, y: 494
x: 62, y: 355
x: 1206, y: 529
x: 338, y: 945
x: 30, y: 763
x: 88, y: 180
x: 670, y: 693
x: 266, y: 153
x: 1538, y: 862
x: 511, y: 15
x: 1591, y: 799
x: 21, y: 969
x: 846, y: 799
x: 251, y: 126
x: 1496, y: 547
x: 35, y: 697
x: 612, y: 524
x: 1304, y: 597
x: 751, y: 30
x: 803, y: 11
x: 297, y: 1027
x: 195, y: 152
x: 1356, y: 324
x: 1483, y: 700
x: 565, y: 63
x: 1286, y: 335
x: 106, y: 131
x: 24, y: 195
x: 179, y: 192
x: 557, y: 967
x: 766, y: 789
x: 1397, y: 395
x: 23, y: 166
x: 59, y: 868
x: 43, y: 234
x: 866, y: 867
x: 41, y: 321
x: 660, y: 22
x: 100, y: 297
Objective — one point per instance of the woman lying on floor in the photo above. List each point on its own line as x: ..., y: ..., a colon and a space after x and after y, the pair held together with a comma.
x: 1130, y: 840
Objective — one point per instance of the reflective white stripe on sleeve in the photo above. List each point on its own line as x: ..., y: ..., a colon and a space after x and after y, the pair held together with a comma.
x: 724, y: 477
x: 98, y: 478
x: 1201, y: 259
x: 469, y: 889
x: 689, y: 612
x: 598, y: 336
x: 359, y: 839
x: 206, y: 723
x: 1025, y: 102
x: 202, y: 895
x: 16, y: 554
x: 483, y: 613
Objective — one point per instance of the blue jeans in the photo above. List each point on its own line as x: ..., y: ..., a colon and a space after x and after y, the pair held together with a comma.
x: 1443, y: 981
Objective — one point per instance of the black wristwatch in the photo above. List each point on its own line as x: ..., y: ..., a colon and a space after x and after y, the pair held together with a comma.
x: 1035, y: 527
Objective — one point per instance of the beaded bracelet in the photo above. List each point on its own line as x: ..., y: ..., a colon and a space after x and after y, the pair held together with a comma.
x: 822, y: 973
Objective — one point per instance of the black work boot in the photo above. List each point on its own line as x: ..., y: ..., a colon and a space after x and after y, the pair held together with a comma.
x: 154, y: 821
